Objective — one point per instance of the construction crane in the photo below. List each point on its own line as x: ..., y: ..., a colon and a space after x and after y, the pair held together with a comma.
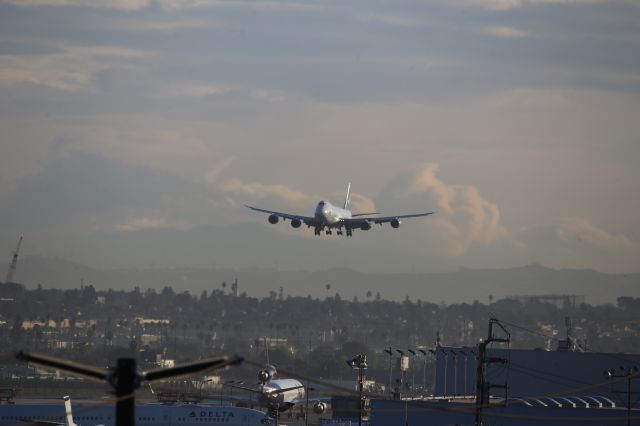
x: 14, y: 263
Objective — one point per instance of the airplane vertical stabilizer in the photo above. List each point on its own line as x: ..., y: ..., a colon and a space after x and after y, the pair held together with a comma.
x: 67, y: 408
x: 346, y: 200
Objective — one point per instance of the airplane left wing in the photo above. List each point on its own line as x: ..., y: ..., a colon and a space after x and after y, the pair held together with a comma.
x: 310, y: 221
x: 358, y: 221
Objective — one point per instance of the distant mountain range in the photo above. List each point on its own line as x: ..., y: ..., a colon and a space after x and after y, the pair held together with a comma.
x: 464, y: 285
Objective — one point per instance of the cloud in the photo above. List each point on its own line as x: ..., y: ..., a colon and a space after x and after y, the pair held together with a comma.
x: 577, y: 243
x: 513, y: 4
x: 213, y: 174
x: 399, y: 21
x: 102, y: 4
x: 163, y: 25
x: 227, y: 93
x: 144, y: 223
x: 69, y: 68
x: 170, y: 5
x: 260, y: 191
x: 463, y: 218
x: 505, y: 32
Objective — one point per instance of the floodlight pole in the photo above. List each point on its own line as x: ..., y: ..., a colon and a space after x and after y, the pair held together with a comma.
x: 124, y: 380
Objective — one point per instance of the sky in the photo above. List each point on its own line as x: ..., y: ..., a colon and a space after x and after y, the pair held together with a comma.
x: 134, y: 131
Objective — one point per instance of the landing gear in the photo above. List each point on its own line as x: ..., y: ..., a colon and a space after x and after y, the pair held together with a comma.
x: 316, y: 231
x: 339, y: 232
x: 349, y: 232
x: 328, y: 232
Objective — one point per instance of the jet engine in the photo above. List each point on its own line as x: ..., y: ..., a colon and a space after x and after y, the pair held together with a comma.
x: 395, y: 223
x: 267, y: 373
x: 365, y: 226
x: 296, y: 223
x: 319, y: 407
x: 273, y: 219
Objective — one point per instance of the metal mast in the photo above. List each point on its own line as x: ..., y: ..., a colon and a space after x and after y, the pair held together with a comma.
x: 14, y: 263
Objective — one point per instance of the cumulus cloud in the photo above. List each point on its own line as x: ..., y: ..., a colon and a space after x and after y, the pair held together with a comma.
x: 260, y: 191
x: 463, y: 219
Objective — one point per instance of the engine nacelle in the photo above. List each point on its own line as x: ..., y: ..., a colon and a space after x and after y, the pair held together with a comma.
x: 296, y: 223
x: 395, y: 223
x: 365, y: 226
x: 267, y: 374
x: 273, y: 219
x: 319, y: 407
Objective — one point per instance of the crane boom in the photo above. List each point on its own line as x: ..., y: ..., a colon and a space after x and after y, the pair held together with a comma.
x: 14, y: 262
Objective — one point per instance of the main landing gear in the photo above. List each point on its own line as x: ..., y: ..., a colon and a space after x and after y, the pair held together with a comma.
x: 318, y: 231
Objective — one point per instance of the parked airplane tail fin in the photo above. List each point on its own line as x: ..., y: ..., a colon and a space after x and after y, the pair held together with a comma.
x: 67, y: 409
x: 347, y: 201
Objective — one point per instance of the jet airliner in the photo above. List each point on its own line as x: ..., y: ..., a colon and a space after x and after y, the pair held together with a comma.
x: 328, y: 217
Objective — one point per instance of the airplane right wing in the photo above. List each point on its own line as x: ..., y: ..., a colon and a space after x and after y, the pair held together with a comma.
x: 307, y: 220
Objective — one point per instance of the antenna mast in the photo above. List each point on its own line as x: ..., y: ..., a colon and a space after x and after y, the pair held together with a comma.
x: 14, y: 262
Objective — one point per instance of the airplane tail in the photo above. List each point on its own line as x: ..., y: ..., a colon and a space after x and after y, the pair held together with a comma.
x: 347, y: 201
x: 67, y: 408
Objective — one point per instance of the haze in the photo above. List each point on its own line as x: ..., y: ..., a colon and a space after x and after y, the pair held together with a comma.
x: 133, y: 131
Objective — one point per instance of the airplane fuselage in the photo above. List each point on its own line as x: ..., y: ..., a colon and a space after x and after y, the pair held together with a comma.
x: 146, y: 414
x: 330, y: 215
x: 271, y: 395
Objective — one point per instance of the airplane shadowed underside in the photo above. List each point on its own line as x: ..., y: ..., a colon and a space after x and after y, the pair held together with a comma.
x: 328, y: 217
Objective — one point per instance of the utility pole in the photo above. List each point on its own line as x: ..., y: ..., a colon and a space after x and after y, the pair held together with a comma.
x: 483, y: 387
x: 14, y: 262
x: 359, y: 362
x: 629, y: 373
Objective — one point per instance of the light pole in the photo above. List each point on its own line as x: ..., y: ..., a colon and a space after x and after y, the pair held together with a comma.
x: 424, y: 370
x: 390, y: 352
x: 359, y: 362
x: 465, y: 355
x: 413, y: 371
x: 446, y: 362
x: 628, y: 373
x: 402, y: 369
x: 455, y: 372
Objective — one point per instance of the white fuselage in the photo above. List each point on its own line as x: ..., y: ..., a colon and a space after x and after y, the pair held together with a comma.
x: 330, y: 215
x: 270, y: 395
x: 145, y: 414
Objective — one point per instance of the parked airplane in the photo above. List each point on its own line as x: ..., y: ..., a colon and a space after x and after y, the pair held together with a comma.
x: 278, y: 394
x: 329, y: 216
x: 146, y: 415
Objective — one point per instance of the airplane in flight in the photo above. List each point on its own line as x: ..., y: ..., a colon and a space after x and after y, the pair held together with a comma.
x: 332, y: 217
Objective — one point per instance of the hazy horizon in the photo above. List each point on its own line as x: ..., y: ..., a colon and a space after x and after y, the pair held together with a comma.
x: 134, y: 131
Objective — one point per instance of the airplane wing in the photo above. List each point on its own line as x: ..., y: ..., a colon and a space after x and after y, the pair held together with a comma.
x: 307, y: 220
x: 357, y: 221
x: 277, y: 391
